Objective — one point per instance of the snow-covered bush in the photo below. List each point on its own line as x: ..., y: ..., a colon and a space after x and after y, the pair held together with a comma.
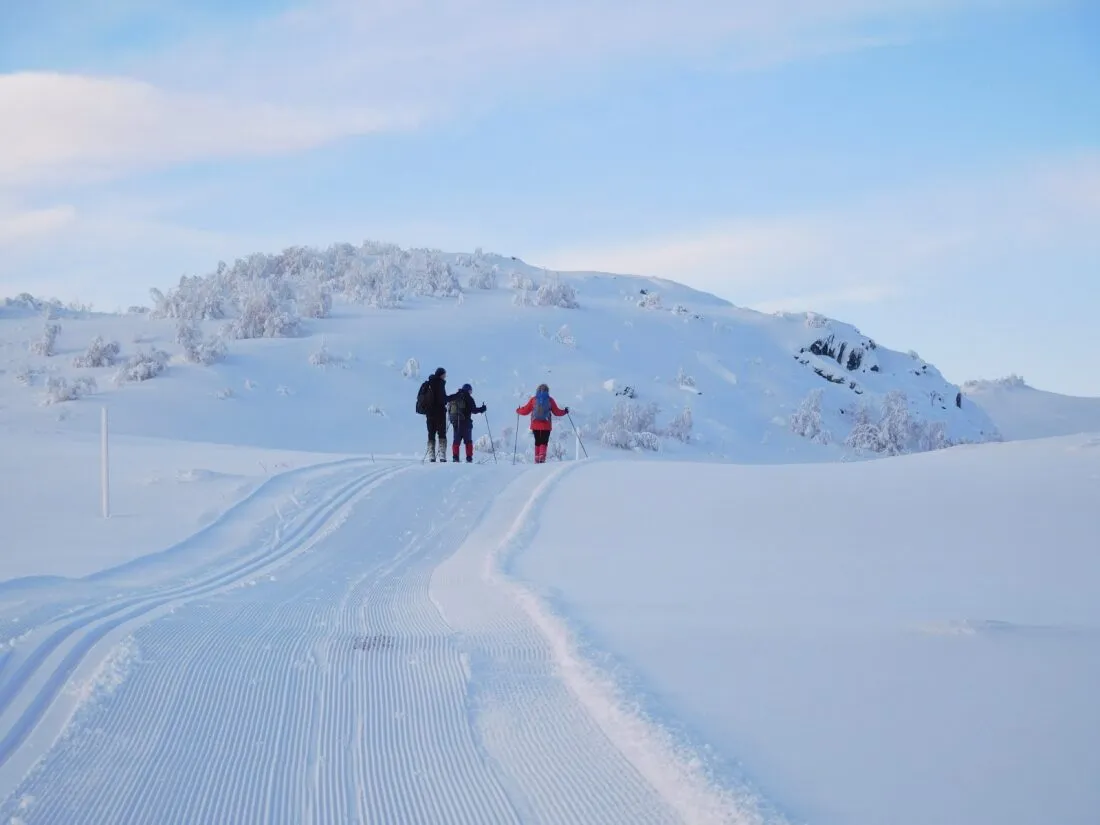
x: 411, y: 369
x: 565, y: 337
x: 680, y: 309
x: 196, y: 349
x: 650, y: 300
x: 681, y: 426
x: 324, y: 357
x: 685, y: 380
x: 45, y: 344
x: 555, y: 450
x: 25, y: 376
x: 100, y: 354
x: 59, y: 390
x: 554, y: 293
x: 806, y: 420
x: 143, y: 366
x: 631, y: 426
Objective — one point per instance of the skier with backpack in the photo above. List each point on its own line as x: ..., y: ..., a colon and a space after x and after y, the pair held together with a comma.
x: 541, y: 406
x: 461, y: 409
x: 431, y: 402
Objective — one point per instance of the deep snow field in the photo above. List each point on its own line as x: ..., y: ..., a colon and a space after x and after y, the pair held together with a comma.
x: 288, y: 617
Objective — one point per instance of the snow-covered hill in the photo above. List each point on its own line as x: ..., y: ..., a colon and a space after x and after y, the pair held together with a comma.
x: 324, y: 350
x: 1021, y: 411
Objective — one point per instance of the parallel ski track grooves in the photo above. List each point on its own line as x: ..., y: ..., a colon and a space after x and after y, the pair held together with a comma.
x: 76, y: 637
x: 556, y: 761
x: 257, y: 705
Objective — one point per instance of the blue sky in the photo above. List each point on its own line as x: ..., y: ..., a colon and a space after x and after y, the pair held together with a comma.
x: 926, y: 169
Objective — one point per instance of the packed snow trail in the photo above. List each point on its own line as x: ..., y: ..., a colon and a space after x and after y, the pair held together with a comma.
x: 320, y: 681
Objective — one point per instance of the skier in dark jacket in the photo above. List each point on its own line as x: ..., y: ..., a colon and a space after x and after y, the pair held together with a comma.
x: 437, y: 415
x: 461, y: 410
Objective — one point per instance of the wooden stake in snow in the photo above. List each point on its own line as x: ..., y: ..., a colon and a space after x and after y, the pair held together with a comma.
x: 104, y: 468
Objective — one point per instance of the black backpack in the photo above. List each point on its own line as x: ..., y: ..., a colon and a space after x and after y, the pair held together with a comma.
x: 425, y: 398
x: 459, y: 406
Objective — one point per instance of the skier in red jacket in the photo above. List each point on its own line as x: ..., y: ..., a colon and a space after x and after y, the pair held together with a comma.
x: 541, y: 406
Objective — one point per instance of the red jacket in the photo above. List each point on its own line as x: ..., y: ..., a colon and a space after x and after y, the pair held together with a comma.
x: 527, y: 408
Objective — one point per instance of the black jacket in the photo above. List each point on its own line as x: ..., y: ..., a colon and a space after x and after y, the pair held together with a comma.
x: 464, y: 406
x: 439, y: 395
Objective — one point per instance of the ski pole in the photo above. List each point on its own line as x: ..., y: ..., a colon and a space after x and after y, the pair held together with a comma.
x: 515, y: 448
x: 491, y: 444
x: 576, y: 432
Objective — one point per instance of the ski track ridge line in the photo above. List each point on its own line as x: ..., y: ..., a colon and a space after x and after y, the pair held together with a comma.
x: 27, y: 696
x: 674, y: 773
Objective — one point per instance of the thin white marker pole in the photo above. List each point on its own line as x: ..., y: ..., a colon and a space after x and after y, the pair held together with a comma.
x: 104, y: 467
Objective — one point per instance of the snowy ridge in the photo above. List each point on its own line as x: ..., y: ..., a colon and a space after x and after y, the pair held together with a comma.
x: 341, y: 337
x: 1022, y: 411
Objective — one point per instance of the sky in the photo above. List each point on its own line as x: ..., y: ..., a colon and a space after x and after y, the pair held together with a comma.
x: 928, y: 170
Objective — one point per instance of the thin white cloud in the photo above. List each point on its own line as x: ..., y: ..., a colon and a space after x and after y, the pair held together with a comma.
x: 329, y: 69
x: 875, y: 250
x: 18, y: 226
x: 61, y: 128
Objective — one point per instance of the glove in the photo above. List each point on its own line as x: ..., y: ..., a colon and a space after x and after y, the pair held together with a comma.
x: 518, y: 412
x: 483, y: 408
x: 566, y: 411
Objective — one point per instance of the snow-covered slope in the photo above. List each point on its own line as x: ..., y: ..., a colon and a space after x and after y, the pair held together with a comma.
x: 324, y: 350
x: 1021, y: 411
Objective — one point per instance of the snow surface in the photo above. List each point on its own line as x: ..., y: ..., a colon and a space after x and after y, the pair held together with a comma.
x: 1022, y: 411
x: 908, y: 641
x: 289, y: 617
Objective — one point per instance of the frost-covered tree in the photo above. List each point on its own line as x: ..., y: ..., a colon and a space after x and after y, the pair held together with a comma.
x: 45, y: 344
x: 100, y: 353
x: 932, y: 435
x: 263, y: 316
x: 896, y: 424
x: 484, y: 275
x: 650, y: 300
x: 681, y: 426
x: 865, y: 437
x: 411, y: 369
x: 193, y: 299
x: 806, y: 421
x: 196, y: 349
x: 315, y: 301
x: 684, y: 380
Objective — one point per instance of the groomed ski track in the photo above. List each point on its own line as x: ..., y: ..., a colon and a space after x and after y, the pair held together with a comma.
x: 357, y: 657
